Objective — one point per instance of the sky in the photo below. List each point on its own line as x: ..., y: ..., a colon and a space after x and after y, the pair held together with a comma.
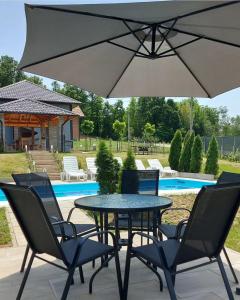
x: 13, y: 34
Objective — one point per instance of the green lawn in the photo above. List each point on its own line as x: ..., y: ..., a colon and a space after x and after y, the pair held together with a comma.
x: 5, y: 236
x: 12, y: 163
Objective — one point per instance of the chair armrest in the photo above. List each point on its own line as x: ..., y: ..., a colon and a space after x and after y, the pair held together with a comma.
x: 179, y: 228
x: 71, y: 211
x: 60, y: 223
x: 172, y: 209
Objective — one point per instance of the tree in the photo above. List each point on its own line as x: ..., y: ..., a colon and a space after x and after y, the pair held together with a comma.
x: 35, y: 79
x: 87, y: 128
x: 196, y: 155
x: 107, y: 170
x: 211, y: 166
x: 175, y: 150
x: 149, y: 131
x: 184, y: 162
x: 9, y: 73
x: 129, y: 162
x: 119, y: 128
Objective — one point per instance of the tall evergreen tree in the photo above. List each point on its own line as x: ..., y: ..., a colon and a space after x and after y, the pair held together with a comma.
x: 107, y: 170
x: 175, y: 150
x: 185, y: 158
x: 211, y: 166
x: 196, y: 155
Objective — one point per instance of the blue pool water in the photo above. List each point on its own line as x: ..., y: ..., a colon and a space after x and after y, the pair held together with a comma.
x: 91, y: 188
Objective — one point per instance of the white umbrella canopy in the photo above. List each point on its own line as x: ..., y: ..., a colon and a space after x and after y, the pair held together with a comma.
x: 163, y: 48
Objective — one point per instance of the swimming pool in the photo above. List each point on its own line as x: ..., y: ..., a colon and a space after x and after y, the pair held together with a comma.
x: 91, y: 188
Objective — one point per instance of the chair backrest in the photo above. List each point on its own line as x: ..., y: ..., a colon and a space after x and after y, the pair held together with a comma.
x: 91, y: 162
x: 119, y: 160
x: 42, y: 186
x: 155, y: 164
x: 70, y: 163
x: 33, y: 220
x: 139, y: 164
x: 227, y: 177
x: 210, y: 221
x: 140, y: 182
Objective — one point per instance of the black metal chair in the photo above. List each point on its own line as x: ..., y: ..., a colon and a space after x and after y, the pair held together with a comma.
x: 172, y: 231
x: 203, y: 237
x: 41, y: 237
x: 138, y: 182
x: 41, y: 183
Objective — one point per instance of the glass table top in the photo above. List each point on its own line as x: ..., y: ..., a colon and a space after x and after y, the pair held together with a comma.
x: 123, y: 202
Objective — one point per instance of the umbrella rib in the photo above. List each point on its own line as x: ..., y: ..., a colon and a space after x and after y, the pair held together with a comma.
x: 85, y: 13
x: 180, y: 46
x: 199, y: 11
x: 186, y: 66
x: 166, y: 35
x: 126, y: 48
x: 81, y: 48
x: 202, y: 36
x: 135, y: 35
x: 131, y: 59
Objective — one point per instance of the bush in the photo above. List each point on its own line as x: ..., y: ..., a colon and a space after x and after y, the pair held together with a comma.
x: 212, y: 157
x: 196, y: 155
x: 187, y: 135
x: 184, y: 162
x: 175, y: 150
x: 107, y: 170
x: 129, y: 162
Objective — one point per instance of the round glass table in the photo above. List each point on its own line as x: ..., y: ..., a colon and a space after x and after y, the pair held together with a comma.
x: 124, y: 204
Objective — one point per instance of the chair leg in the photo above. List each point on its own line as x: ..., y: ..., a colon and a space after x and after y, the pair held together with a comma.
x: 68, y: 284
x: 230, y: 265
x: 170, y: 285
x: 93, y: 264
x: 225, y: 279
x: 24, y: 259
x: 81, y: 274
x: 126, y: 275
x: 119, y: 276
x: 19, y: 295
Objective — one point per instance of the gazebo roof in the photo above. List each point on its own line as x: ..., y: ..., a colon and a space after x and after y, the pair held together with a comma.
x: 32, y: 91
x: 28, y: 106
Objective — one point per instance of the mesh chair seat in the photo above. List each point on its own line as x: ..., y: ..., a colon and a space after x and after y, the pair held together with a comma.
x: 150, y: 252
x: 68, y: 231
x: 90, y: 250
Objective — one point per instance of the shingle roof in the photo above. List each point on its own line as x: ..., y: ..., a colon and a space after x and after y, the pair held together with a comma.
x: 26, y: 106
x: 29, y: 90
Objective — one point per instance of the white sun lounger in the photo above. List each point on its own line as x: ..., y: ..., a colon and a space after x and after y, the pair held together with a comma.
x: 91, y: 166
x: 119, y: 159
x: 139, y: 164
x: 156, y: 165
x: 71, y: 169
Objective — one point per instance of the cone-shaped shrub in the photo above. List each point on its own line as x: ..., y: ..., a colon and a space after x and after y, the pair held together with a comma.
x: 129, y: 162
x: 107, y: 170
x: 187, y: 135
x: 196, y: 155
x: 212, y: 157
x: 175, y: 150
x: 184, y: 162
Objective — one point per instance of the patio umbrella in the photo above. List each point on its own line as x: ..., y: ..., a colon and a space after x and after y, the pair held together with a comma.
x: 163, y: 48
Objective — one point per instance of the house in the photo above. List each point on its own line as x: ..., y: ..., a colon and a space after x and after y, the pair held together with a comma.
x: 37, y: 118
